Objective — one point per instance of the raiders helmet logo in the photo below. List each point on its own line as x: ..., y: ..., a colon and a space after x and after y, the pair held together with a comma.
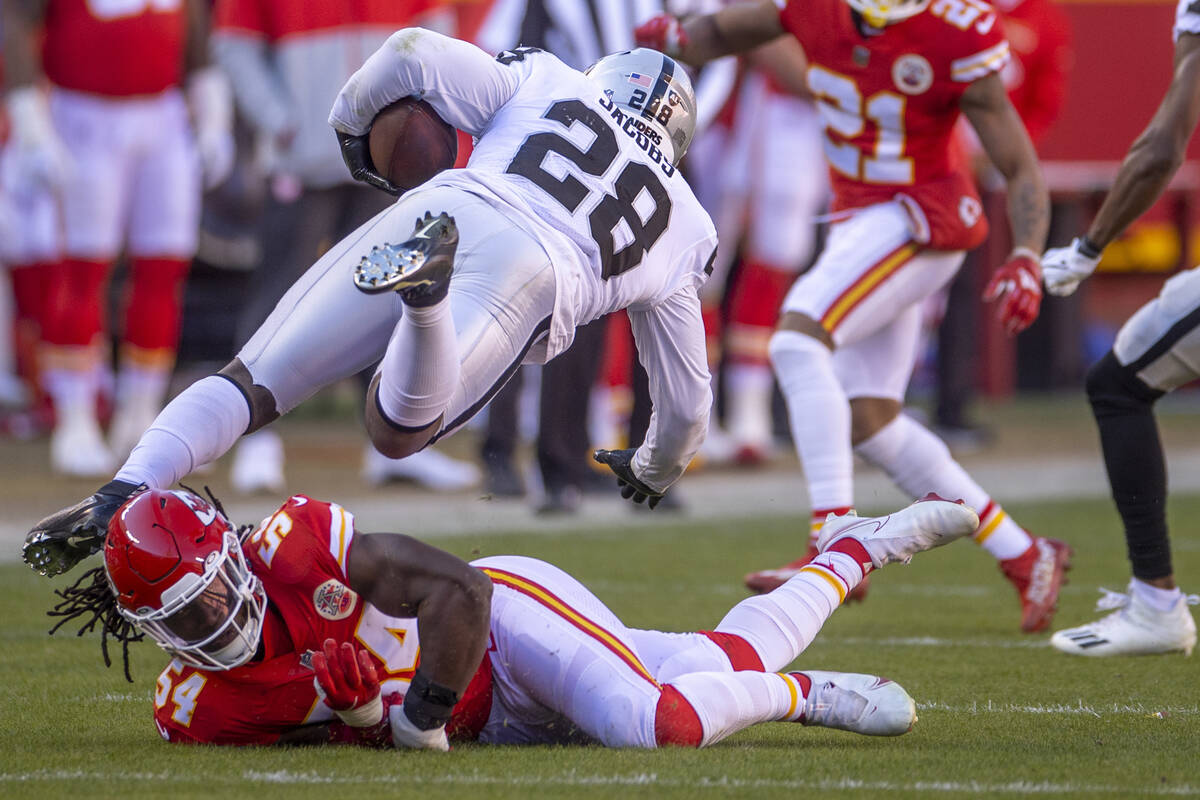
x: 334, y: 600
x: 912, y: 74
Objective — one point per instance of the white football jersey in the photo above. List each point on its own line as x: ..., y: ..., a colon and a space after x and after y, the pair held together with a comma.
x: 588, y: 179
x: 1187, y: 18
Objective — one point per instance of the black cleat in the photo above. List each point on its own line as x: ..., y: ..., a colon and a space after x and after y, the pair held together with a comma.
x: 63, y: 539
x: 419, y: 269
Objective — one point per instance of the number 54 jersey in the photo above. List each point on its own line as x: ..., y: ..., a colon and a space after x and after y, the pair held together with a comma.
x: 299, y: 553
x: 889, y: 99
x: 590, y: 180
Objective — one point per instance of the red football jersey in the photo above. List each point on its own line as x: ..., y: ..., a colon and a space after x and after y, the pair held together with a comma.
x: 300, y: 555
x: 889, y: 100
x: 117, y: 48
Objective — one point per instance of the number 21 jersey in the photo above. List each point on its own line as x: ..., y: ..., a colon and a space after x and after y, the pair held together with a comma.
x: 890, y: 100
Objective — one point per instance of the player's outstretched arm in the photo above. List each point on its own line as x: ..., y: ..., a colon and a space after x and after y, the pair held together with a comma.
x: 452, y: 603
x: 1157, y: 153
x: 698, y: 40
x: 1017, y: 284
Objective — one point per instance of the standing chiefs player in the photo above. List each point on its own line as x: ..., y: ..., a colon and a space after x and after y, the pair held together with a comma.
x: 112, y: 144
x: 891, y: 79
x: 310, y: 631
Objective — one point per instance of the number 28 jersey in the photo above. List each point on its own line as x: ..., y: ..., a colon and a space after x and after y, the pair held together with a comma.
x: 890, y: 101
x: 590, y: 180
x: 299, y: 553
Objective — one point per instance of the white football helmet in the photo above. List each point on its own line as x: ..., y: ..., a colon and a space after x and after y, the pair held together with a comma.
x: 655, y: 89
x: 880, y: 13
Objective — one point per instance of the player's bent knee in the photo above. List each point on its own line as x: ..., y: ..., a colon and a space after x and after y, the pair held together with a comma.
x: 391, y: 439
x: 796, y: 322
x: 263, y: 407
x: 869, y: 415
x: 676, y: 723
x: 791, y: 348
x: 1112, y: 387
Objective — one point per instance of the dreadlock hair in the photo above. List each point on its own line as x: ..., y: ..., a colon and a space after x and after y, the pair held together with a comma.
x: 93, y: 594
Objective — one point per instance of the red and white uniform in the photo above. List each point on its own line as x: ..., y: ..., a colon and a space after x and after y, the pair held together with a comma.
x: 890, y: 101
x: 560, y: 666
x: 299, y: 553
x: 115, y: 48
x: 116, y: 67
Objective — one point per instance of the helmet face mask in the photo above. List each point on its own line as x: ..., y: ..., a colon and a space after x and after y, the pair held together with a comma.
x: 177, y: 568
x: 655, y: 90
x: 880, y: 13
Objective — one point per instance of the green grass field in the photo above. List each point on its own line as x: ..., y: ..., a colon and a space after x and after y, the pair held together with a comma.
x: 1001, y: 713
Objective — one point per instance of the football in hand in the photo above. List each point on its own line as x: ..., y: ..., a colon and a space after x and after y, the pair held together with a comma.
x: 409, y: 143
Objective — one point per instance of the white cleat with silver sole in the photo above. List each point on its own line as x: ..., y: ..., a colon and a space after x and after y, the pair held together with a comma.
x: 866, y: 704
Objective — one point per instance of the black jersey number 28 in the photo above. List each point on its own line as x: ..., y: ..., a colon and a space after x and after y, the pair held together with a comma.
x: 570, y: 192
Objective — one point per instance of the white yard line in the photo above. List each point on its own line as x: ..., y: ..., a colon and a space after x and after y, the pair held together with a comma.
x: 572, y: 778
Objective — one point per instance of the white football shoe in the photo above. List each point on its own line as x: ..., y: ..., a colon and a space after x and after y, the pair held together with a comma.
x: 866, y: 704
x: 428, y: 467
x: 1134, y: 629
x: 928, y: 523
x: 258, y: 464
x: 77, y: 447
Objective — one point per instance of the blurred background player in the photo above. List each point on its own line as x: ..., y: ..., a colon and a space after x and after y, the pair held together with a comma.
x: 891, y: 81
x: 766, y: 218
x: 287, y: 60
x: 1156, y: 351
x: 117, y: 117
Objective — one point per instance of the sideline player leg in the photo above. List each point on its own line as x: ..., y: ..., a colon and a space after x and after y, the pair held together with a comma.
x: 1155, y: 352
x: 871, y: 317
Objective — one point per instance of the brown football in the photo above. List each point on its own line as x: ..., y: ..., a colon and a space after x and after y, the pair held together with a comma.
x: 409, y: 143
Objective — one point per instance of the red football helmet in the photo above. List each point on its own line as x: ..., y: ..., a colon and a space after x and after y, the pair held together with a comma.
x: 177, y: 569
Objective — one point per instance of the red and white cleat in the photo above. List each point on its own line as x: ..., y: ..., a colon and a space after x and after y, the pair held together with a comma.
x: 928, y: 523
x: 1038, y: 574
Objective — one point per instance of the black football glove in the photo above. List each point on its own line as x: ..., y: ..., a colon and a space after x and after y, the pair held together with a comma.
x: 357, y: 155
x: 621, y: 463
x: 63, y: 539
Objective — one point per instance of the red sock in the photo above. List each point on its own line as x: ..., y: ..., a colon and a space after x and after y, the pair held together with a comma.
x: 154, y: 310
x: 675, y: 721
x: 74, y: 309
x: 741, y: 655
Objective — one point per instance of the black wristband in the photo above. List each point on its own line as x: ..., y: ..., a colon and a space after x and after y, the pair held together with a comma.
x: 1088, y: 248
x: 427, y: 704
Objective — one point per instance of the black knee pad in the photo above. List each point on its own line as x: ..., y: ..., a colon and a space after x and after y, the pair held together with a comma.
x: 1113, y: 387
x: 263, y: 409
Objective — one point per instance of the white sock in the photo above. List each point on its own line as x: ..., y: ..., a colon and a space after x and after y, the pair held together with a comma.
x: 73, y: 391
x: 198, y: 426
x: 919, y: 462
x: 142, y: 386
x: 820, y: 417
x: 420, y: 368
x: 779, y: 625
x: 727, y: 702
x: 1159, y: 599
x: 749, y: 413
